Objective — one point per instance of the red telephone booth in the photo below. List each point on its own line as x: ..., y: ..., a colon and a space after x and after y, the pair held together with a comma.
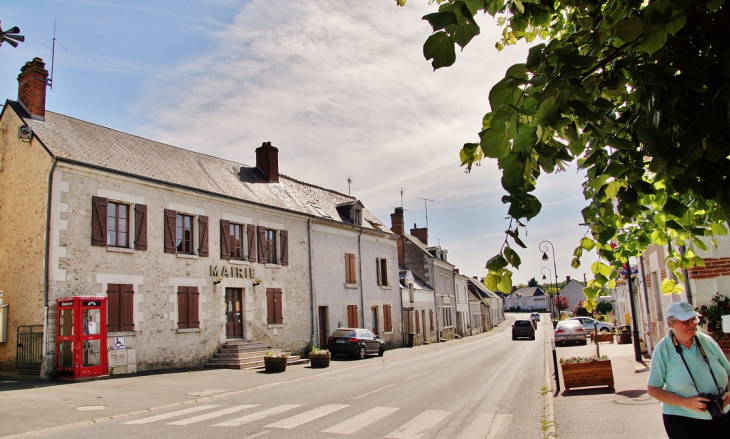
x: 81, y: 337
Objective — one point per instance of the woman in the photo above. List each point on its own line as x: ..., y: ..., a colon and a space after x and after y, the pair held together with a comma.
x: 684, y: 411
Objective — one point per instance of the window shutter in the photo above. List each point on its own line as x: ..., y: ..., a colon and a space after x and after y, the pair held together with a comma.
x: 380, y: 278
x: 170, y: 218
x: 278, y: 314
x: 98, y: 221
x: 127, y: 307
x: 262, y: 244
x: 140, y: 227
x: 251, y: 239
x: 351, y: 263
x: 112, y: 304
x: 203, y: 236
x: 387, y: 321
x: 284, y: 236
x: 193, y: 300
x: 225, y: 237
x: 182, y: 307
x: 270, y: 317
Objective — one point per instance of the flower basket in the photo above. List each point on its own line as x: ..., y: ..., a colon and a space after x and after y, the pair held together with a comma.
x: 586, y: 372
x: 602, y: 336
x: 275, y: 364
x: 320, y: 360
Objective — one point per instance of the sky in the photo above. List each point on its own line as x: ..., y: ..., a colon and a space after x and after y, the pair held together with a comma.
x: 341, y: 88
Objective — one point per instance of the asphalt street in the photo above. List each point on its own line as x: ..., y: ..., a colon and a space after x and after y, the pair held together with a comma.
x: 486, y: 386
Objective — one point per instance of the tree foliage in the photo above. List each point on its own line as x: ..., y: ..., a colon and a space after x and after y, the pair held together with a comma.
x: 635, y: 93
x: 532, y: 283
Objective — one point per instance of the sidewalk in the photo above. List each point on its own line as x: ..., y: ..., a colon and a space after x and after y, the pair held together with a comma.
x: 626, y: 411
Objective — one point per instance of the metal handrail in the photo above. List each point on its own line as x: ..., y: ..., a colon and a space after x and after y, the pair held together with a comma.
x: 261, y: 330
x: 212, y: 332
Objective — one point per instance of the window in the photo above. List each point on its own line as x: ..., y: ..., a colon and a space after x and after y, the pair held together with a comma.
x: 447, y: 316
x: 418, y: 323
x: 430, y: 315
x: 352, y: 316
x: 187, y: 308
x: 117, y: 230
x: 382, y: 265
x: 387, y: 319
x: 374, y: 319
x: 180, y: 233
x: 271, y: 247
x: 110, y: 224
x: 120, y: 308
x: 268, y: 250
x: 273, y: 306
x: 350, y: 276
x: 236, y: 239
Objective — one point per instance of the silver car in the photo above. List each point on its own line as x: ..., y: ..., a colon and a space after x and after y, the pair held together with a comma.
x: 588, y: 324
x: 570, y: 331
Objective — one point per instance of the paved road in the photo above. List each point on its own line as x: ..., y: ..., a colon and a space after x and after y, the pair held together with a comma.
x: 487, y: 386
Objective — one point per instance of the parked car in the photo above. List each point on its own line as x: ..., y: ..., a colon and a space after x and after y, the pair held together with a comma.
x: 570, y: 331
x: 523, y: 328
x: 588, y: 324
x: 355, y: 341
x: 535, y: 316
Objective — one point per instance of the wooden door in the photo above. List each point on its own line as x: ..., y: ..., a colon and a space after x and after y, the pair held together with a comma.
x: 374, y: 320
x: 234, y: 313
x: 323, y: 330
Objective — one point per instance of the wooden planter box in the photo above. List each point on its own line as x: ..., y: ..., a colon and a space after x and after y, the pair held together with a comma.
x: 319, y: 360
x: 275, y: 364
x: 602, y: 336
x: 593, y: 373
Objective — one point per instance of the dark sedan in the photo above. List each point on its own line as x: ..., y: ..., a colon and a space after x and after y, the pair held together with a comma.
x: 523, y: 328
x: 355, y: 341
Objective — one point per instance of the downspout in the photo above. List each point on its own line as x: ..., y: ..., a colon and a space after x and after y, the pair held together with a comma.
x: 359, y: 258
x: 311, y: 281
x: 46, y: 257
x: 649, y: 337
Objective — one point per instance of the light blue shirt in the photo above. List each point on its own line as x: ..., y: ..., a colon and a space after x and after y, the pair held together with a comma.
x: 668, y: 372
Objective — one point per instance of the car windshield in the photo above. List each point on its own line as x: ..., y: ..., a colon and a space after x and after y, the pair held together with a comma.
x: 522, y: 323
x: 567, y: 323
x: 343, y: 333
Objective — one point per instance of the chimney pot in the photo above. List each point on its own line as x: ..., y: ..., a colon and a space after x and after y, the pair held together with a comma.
x: 567, y: 278
x: 267, y: 160
x: 396, y: 221
x: 421, y: 234
x: 32, y: 82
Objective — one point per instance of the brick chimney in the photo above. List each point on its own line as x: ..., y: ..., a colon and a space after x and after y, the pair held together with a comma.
x: 32, y: 87
x: 456, y: 270
x: 396, y: 221
x: 567, y: 279
x: 267, y: 160
x: 421, y: 233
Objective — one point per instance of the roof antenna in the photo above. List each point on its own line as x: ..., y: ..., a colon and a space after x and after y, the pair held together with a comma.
x: 349, y: 182
x: 53, y: 53
x: 425, y: 204
x: 401, y: 198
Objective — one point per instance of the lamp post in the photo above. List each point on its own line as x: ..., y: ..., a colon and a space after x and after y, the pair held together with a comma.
x: 544, y: 248
x: 549, y: 281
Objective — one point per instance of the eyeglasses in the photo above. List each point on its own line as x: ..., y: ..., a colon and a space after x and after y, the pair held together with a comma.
x: 694, y: 321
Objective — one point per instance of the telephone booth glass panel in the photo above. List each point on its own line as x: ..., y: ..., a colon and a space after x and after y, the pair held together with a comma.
x: 81, y: 337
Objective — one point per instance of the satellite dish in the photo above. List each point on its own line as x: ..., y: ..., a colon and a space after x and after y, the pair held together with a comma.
x: 11, y: 36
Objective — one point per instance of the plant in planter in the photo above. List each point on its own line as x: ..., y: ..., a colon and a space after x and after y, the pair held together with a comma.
x: 586, y: 371
x: 275, y: 362
x: 712, y: 315
x: 319, y: 358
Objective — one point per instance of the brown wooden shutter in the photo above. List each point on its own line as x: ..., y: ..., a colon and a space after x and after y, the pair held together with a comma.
x: 112, y: 306
x: 352, y: 316
x: 278, y: 314
x: 350, y: 276
x: 193, y: 300
x: 203, y: 236
x: 251, y: 239
x: 262, y: 243
x: 284, y: 236
x: 380, y: 278
x: 98, y: 221
x: 225, y: 238
x: 182, y: 307
x: 170, y: 223
x: 127, y: 307
x: 140, y: 227
x: 387, y: 322
x: 270, y: 314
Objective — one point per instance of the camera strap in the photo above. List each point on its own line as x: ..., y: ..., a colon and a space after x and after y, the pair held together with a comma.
x: 678, y: 347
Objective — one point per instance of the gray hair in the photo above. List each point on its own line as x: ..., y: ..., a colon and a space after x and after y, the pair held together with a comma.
x: 671, y: 320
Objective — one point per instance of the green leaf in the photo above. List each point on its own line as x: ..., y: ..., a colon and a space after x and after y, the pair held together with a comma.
x: 440, y: 48
x: 674, y: 207
x: 718, y: 229
x: 441, y: 20
x: 653, y: 40
x: 587, y: 243
x: 629, y: 29
x: 599, y: 267
x: 497, y: 263
x: 512, y: 257
x: 492, y: 281
x: 503, y: 92
x: 667, y: 286
x: 495, y: 143
x: 700, y: 245
x: 714, y: 5
x: 676, y: 23
x: 505, y: 284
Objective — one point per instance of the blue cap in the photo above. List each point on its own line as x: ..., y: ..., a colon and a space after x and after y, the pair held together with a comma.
x: 681, y: 311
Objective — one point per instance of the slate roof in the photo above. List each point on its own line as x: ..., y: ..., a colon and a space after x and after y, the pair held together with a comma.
x: 77, y: 141
x: 528, y: 292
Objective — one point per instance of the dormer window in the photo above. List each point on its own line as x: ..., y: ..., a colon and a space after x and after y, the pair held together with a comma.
x: 356, y: 216
x: 351, y: 212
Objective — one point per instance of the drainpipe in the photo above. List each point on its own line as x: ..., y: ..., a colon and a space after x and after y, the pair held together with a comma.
x: 46, y: 257
x: 311, y: 282
x: 359, y: 258
x: 649, y: 337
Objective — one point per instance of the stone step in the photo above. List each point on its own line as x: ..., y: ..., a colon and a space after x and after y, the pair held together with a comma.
x: 242, y: 355
x: 250, y: 363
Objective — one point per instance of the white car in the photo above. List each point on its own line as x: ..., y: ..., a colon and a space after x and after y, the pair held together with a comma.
x: 589, y: 324
x: 535, y: 316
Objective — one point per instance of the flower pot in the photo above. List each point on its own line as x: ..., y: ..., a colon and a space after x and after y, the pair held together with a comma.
x: 319, y: 360
x: 592, y: 373
x: 275, y: 364
x: 602, y: 336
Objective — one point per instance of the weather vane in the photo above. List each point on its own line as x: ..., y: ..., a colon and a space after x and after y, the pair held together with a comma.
x: 11, y: 36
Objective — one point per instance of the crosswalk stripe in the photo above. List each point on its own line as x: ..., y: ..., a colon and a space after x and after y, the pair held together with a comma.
x: 414, y: 428
x: 212, y: 415
x: 171, y: 414
x: 484, y: 426
x: 303, y: 418
x: 257, y: 416
x: 360, y: 421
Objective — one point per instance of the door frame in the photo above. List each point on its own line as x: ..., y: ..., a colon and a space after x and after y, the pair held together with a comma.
x: 225, y: 304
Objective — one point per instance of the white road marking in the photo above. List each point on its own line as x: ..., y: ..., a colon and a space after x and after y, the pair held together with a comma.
x: 446, y: 364
x: 419, y: 374
x: 212, y: 415
x: 484, y: 426
x: 305, y: 417
x: 360, y: 421
x: 414, y: 428
x: 496, y: 425
x: 374, y: 391
x: 172, y: 414
x: 257, y: 416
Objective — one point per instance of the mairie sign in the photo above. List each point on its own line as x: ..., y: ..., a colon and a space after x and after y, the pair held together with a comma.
x: 232, y: 271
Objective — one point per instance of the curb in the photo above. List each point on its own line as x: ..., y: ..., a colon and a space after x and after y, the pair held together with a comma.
x: 548, y: 410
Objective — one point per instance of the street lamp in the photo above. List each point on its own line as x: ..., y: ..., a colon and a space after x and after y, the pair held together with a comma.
x: 550, y: 281
x: 544, y: 248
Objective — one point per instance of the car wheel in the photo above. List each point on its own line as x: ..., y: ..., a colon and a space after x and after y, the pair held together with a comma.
x: 381, y: 351
x: 584, y: 342
x: 604, y: 329
x: 533, y: 337
x: 514, y: 338
x: 362, y: 352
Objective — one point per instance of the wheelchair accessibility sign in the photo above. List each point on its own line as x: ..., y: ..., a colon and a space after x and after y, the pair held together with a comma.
x: 118, y: 343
